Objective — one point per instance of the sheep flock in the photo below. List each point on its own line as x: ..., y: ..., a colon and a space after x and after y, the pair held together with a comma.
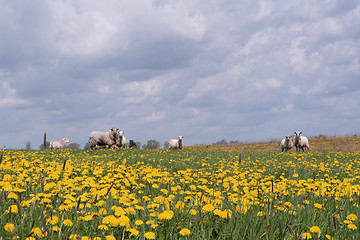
x: 116, y: 139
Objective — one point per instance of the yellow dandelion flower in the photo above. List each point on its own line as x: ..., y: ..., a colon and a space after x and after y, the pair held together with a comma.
x: 55, y: 228
x: 318, y: 205
x: 103, y: 227
x: 166, y: 215
x: 306, y: 235
x: 352, y: 217
x: 315, y: 229
x: 85, y: 238
x: 68, y: 222
x: 329, y: 237
x: 193, y: 212
x: 30, y: 238
x: 351, y: 226
x: 9, y: 227
x: 13, y: 209
x: 12, y: 195
x: 260, y: 214
x: 139, y: 222
x: 208, y: 208
x: 185, y: 232
x: 73, y: 237
x: 134, y: 232
x: 110, y: 237
x: 149, y: 235
x: 37, y: 231
x: 124, y: 221
x: 87, y: 218
x: 52, y: 220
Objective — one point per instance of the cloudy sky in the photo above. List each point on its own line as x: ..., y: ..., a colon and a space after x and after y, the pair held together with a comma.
x: 246, y: 70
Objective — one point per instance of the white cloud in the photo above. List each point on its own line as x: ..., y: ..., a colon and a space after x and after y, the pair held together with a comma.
x: 8, y: 96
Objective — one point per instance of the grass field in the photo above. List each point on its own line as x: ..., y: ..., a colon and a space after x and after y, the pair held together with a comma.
x: 201, y: 192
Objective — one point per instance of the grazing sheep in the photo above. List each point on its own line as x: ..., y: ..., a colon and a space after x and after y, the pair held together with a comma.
x: 132, y: 144
x: 301, y: 142
x: 176, y: 143
x: 99, y: 139
x: 287, y: 143
x: 58, y: 144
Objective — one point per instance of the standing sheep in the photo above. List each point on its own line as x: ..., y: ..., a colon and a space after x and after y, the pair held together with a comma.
x: 176, y: 143
x: 301, y: 142
x: 58, y: 144
x: 121, y: 140
x: 287, y: 143
x: 108, y: 139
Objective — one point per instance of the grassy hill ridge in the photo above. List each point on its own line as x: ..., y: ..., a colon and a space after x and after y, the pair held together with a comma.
x: 316, y: 144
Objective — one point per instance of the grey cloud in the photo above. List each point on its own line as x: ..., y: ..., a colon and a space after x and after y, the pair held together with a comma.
x: 241, y: 70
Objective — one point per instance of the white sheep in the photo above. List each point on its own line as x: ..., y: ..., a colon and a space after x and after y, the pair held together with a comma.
x: 287, y: 143
x: 121, y: 140
x: 58, y: 144
x: 108, y: 139
x: 301, y: 142
x: 176, y: 143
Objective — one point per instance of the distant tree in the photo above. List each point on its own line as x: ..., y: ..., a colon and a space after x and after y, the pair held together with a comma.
x: 87, y: 146
x: 223, y: 141
x: 28, y: 145
x: 153, y: 144
x: 166, y: 144
x: 73, y: 146
x: 138, y: 145
x: 42, y: 147
x: 144, y: 146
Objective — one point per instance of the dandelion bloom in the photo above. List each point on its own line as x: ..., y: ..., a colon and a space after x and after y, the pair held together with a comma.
x: 139, y: 222
x: 13, y: 208
x: 318, y: 205
x: 103, y: 227
x: 110, y: 237
x: 134, y: 232
x: 352, y: 217
x: 149, y: 235
x: 315, y: 229
x: 208, y: 208
x: 329, y: 237
x: 9, y: 227
x: 53, y: 220
x: 37, y: 231
x: 85, y: 238
x: 260, y: 214
x: 124, y: 221
x: 351, y: 226
x: 68, y: 222
x: 55, y: 228
x: 166, y: 215
x: 193, y: 212
x: 30, y: 238
x: 306, y: 235
x: 185, y: 232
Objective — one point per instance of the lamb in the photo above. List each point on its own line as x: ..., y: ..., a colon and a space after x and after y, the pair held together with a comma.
x: 287, y: 143
x: 301, y: 142
x: 176, y: 143
x: 108, y: 139
x: 58, y: 144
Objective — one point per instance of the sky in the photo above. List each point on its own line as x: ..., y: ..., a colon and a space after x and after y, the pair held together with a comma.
x: 245, y: 70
